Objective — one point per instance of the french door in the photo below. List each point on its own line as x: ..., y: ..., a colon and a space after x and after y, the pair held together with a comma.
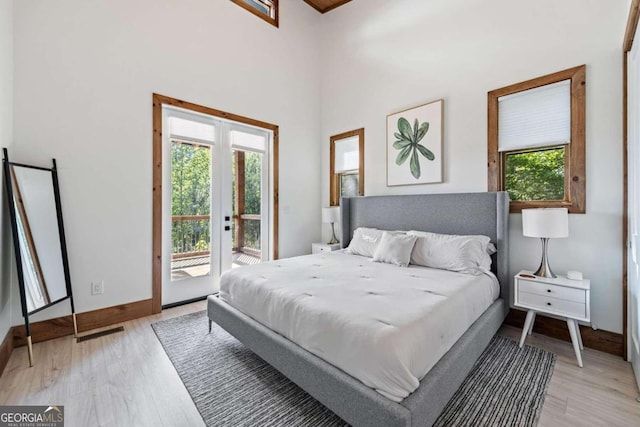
x: 633, y: 244
x: 216, y: 186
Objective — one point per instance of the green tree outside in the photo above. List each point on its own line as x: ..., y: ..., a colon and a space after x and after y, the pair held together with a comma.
x: 535, y: 175
x: 190, y: 196
x: 252, y: 197
x: 191, y: 184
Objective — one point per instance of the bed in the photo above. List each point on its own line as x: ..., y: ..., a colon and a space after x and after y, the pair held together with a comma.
x: 350, y: 398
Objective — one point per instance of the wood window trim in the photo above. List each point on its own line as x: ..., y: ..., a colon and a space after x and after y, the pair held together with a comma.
x: 275, y: 21
x: 324, y: 7
x: 158, y: 102
x: 334, y: 182
x: 575, y: 167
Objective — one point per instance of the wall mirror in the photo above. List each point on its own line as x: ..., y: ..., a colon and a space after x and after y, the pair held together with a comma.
x: 38, y: 238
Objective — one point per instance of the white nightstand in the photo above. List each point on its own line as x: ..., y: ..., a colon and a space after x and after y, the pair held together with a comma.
x: 560, y: 296
x: 316, y: 248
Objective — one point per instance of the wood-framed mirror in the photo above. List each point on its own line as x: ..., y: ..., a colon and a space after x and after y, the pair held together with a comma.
x: 39, y: 242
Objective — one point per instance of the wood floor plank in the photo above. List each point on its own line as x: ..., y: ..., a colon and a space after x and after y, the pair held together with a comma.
x: 127, y: 379
x: 603, y: 392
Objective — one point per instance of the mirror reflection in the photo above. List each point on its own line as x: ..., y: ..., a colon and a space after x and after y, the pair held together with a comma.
x: 39, y: 237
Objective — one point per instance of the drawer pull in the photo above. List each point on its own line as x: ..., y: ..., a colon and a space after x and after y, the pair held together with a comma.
x: 549, y: 290
x: 549, y: 304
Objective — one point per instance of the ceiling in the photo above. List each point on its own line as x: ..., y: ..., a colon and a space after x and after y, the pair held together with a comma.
x: 323, y: 6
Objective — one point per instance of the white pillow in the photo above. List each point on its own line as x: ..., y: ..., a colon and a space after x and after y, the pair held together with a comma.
x: 464, y: 254
x: 364, y: 242
x: 395, y: 249
x: 491, y: 249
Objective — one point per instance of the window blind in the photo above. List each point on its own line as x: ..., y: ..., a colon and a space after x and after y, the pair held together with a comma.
x: 248, y: 141
x: 191, y: 130
x: 347, y: 154
x: 535, y: 118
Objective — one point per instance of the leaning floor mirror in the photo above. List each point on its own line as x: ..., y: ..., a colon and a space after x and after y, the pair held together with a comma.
x: 38, y: 239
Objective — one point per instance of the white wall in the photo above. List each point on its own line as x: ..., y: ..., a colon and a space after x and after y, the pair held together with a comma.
x: 6, y: 138
x: 85, y: 71
x: 380, y: 57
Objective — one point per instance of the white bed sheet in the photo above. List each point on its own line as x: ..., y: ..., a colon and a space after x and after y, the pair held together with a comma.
x: 385, y: 325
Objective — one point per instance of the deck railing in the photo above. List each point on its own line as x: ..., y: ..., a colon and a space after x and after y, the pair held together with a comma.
x: 190, y: 243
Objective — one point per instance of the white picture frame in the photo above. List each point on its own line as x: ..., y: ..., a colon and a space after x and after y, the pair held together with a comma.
x: 414, y: 155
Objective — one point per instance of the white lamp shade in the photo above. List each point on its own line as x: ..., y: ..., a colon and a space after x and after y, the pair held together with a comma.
x: 545, y: 223
x: 331, y: 215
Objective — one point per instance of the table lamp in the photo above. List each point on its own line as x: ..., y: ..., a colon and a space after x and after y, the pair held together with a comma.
x: 546, y: 223
x: 331, y: 215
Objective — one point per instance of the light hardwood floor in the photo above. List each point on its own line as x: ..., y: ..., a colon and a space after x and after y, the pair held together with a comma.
x: 127, y: 379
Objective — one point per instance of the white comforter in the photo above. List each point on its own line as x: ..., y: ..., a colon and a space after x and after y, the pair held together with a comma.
x: 384, y: 325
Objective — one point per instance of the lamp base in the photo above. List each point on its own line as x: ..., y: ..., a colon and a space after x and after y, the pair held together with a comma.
x: 544, y: 270
x: 334, y: 239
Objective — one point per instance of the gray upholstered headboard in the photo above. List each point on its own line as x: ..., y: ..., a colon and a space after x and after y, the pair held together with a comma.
x: 461, y: 213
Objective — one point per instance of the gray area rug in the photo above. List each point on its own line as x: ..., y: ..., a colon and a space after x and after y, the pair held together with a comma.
x: 231, y: 386
x: 506, y: 387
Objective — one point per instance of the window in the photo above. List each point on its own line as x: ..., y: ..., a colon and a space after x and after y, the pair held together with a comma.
x: 346, y: 170
x: 265, y: 9
x: 536, y: 141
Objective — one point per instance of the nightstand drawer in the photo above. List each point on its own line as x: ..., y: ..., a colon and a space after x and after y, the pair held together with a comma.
x: 553, y: 305
x: 317, y: 248
x: 552, y: 291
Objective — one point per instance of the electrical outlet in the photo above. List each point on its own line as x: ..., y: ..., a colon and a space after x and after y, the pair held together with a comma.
x: 97, y: 288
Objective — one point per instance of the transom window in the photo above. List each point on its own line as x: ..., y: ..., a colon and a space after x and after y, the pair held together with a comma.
x: 536, y: 141
x: 346, y: 168
x: 265, y: 9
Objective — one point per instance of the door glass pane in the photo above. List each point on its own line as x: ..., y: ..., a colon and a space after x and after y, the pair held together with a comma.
x: 247, y: 199
x: 252, y: 199
x: 191, y: 210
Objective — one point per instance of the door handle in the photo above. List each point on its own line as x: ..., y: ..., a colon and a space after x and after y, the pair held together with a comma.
x: 227, y: 228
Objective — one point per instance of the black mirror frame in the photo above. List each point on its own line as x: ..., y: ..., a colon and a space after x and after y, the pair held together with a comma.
x: 16, y: 246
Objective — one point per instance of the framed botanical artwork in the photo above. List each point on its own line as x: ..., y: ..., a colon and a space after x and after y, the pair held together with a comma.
x: 414, y: 145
